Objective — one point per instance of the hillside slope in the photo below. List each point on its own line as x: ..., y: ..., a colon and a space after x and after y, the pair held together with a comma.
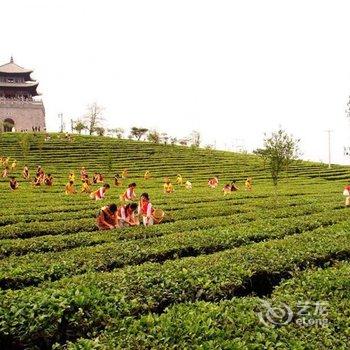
x: 197, y: 279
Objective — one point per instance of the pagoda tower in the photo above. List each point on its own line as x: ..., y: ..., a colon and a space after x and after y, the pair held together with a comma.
x: 20, y: 109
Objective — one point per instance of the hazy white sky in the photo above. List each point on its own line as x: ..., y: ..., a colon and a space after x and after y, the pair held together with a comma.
x: 230, y: 69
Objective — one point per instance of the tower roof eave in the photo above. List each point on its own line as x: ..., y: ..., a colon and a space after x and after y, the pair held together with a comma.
x: 19, y: 85
x: 14, y: 68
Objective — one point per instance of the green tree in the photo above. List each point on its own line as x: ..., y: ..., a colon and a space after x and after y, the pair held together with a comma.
x: 164, y: 137
x: 279, y: 151
x: 40, y: 141
x: 24, y: 144
x: 110, y: 160
x: 173, y: 141
x: 154, y: 136
x: 119, y: 132
x: 79, y: 126
x: 138, y: 133
x: 100, y: 131
x: 184, y: 141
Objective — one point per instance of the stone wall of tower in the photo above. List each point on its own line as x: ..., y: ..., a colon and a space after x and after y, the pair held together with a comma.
x: 25, y: 114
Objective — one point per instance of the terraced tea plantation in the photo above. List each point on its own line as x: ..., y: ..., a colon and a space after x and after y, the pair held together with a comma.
x: 221, y: 272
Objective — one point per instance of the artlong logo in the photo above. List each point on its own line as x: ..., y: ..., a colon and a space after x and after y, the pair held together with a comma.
x: 307, y: 314
x: 273, y: 315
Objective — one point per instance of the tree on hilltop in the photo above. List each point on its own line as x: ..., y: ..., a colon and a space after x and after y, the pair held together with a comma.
x: 119, y: 132
x: 164, y: 137
x: 93, y: 117
x: 184, y: 141
x: 79, y: 126
x: 100, y: 131
x: 154, y: 136
x: 173, y: 141
x: 278, y: 152
x: 195, y: 138
x: 138, y: 133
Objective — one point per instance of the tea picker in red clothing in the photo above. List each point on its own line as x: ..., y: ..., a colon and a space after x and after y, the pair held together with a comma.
x: 107, y: 217
x: 126, y: 215
x: 13, y: 183
x: 100, y: 193
x: 149, y: 215
x: 346, y: 193
x: 213, y: 182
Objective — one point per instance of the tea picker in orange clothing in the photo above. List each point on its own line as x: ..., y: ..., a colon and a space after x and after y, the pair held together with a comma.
x: 70, y: 189
x: 234, y: 187
x: 229, y: 188
x: 48, y: 180
x: 71, y: 176
x: 213, y: 182
x: 248, y: 184
x: 40, y: 177
x: 14, y: 164
x: 97, y: 178
x: 129, y: 194
x: 125, y: 174
x: 5, y: 173
x: 188, y: 185
x: 85, y: 188
x: 5, y: 161
x: 117, y: 179
x: 168, y: 187
x: 179, y: 179
x: 25, y: 172
x: 147, y: 175
x: 37, y: 182
x: 100, y: 193
x: 107, y: 217
x: 100, y: 178
x: 84, y: 174
x: 226, y: 189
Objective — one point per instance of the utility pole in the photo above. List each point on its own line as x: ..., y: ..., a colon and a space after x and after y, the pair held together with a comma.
x: 238, y: 145
x: 60, y: 116
x: 329, y: 147
x: 347, y: 111
x: 347, y: 114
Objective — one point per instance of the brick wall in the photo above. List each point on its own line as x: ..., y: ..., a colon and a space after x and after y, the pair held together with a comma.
x: 26, y: 115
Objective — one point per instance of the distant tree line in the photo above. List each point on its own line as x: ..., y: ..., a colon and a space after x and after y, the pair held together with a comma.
x: 93, y: 120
